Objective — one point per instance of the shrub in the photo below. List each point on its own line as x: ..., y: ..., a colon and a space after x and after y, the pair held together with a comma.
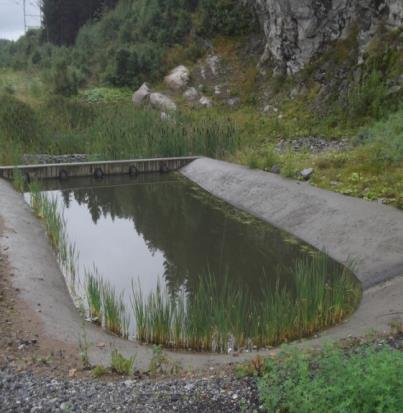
x: 228, y: 17
x: 386, y: 136
x: 18, y: 122
x: 64, y: 79
x: 368, y: 98
x: 364, y: 381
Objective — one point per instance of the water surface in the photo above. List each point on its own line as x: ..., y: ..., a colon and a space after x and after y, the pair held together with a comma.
x: 162, y: 227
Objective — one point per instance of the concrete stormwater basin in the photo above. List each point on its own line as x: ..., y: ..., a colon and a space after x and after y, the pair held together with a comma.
x: 32, y: 259
x: 157, y: 258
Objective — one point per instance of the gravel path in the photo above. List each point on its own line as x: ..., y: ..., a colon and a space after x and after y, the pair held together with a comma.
x: 25, y: 392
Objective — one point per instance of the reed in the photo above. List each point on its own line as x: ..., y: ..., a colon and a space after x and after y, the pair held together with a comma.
x: 115, y: 316
x: 94, y: 295
x: 104, y: 305
x: 217, y: 316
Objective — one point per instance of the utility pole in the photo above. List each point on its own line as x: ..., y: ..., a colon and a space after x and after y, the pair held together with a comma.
x: 27, y: 15
x: 24, y: 6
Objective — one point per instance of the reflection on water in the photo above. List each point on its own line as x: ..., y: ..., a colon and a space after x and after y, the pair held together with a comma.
x: 161, y: 226
x: 156, y: 225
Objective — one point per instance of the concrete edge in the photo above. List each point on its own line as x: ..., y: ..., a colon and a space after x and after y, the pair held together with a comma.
x: 345, y: 227
x: 38, y: 276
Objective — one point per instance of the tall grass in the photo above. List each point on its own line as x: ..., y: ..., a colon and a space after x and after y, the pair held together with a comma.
x: 104, y: 304
x: 114, y: 310
x: 218, y: 316
x: 109, y: 130
x: 94, y: 295
x: 121, y: 132
x: 48, y: 210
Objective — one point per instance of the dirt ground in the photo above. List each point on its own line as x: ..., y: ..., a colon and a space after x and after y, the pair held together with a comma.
x: 23, y: 344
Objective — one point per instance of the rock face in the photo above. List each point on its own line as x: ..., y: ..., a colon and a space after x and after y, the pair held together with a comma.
x: 178, y: 78
x: 296, y: 30
x: 162, y: 102
x: 140, y: 95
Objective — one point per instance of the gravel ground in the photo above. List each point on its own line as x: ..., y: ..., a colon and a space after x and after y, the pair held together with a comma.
x: 25, y: 392
x: 33, y: 159
x: 313, y: 144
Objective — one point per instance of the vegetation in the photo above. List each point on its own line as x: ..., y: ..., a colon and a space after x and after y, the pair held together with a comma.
x: 364, y: 379
x: 371, y: 169
x: 99, y: 371
x: 122, y: 43
x: 62, y: 20
x: 109, y: 131
x: 116, y: 319
x: 214, y: 317
x: 121, y: 364
x: 94, y: 295
x: 160, y: 363
x: 219, y: 317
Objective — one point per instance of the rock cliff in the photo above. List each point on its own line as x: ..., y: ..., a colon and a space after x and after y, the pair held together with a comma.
x: 296, y: 30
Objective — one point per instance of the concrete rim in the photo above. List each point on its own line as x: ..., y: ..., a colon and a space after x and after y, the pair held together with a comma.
x: 38, y: 276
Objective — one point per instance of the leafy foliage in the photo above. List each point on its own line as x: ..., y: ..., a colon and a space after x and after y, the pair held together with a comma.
x: 122, y: 43
x: 368, y: 380
x: 63, y: 19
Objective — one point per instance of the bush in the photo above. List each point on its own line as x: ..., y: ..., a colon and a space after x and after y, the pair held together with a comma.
x: 369, y: 98
x: 365, y: 381
x: 18, y: 122
x: 386, y: 138
x: 227, y: 17
x: 64, y: 79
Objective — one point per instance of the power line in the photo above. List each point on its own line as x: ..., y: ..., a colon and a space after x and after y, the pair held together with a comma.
x: 27, y: 15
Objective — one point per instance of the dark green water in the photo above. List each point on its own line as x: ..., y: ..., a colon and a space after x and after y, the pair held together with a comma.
x: 162, y: 227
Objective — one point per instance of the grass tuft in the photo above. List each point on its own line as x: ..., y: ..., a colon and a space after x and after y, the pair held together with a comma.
x: 121, y: 364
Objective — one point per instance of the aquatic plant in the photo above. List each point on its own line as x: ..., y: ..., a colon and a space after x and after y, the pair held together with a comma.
x: 94, y: 295
x: 218, y: 316
x: 114, y: 310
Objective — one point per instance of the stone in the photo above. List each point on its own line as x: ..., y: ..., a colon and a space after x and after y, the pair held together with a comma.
x: 306, y: 173
x: 213, y: 63
x: 191, y: 94
x: 162, y: 102
x: 394, y: 90
x: 141, y: 94
x: 178, y: 78
x: 233, y: 102
x: 275, y: 170
x: 217, y: 90
x: 296, y: 30
x: 270, y: 108
x: 205, y: 102
x: 165, y: 117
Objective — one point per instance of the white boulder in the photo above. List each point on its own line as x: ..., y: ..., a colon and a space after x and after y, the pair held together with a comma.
x: 205, y: 102
x: 178, y: 78
x: 191, y: 94
x: 162, y: 102
x: 140, y: 95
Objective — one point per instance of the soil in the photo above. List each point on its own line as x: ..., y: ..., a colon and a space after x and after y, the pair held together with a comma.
x: 23, y: 346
